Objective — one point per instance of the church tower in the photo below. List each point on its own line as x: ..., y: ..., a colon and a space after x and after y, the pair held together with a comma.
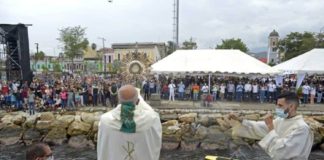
x: 273, y: 52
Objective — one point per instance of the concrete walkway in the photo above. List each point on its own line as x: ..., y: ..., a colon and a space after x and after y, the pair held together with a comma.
x: 232, y: 106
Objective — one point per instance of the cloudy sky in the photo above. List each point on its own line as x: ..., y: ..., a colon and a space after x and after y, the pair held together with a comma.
x: 206, y: 21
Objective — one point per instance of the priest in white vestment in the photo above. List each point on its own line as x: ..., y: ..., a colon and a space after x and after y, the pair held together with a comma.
x: 286, y: 137
x: 131, y: 131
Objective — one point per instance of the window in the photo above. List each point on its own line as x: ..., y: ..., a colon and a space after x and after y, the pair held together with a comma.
x: 118, y: 56
x: 38, y: 66
x: 273, y: 43
x: 109, y: 59
x: 274, y: 49
x: 49, y: 66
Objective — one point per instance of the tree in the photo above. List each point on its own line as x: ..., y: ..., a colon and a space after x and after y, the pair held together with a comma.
x: 233, y: 44
x: 57, y: 67
x: 74, y: 41
x: 38, y: 56
x: 189, y: 44
x: 295, y: 44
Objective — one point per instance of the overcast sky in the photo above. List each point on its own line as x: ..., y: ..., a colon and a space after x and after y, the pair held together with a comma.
x: 207, y: 21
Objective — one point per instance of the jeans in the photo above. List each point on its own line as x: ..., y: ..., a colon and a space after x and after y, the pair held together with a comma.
x: 262, y: 95
x: 319, y: 97
x: 214, y: 96
x: 31, y: 107
x: 181, y: 95
x: 63, y: 103
x: 195, y: 96
x: 239, y: 96
x: 305, y: 98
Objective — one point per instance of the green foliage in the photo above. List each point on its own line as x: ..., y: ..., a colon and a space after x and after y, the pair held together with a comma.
x: 39, y: 56
x: 233, y: 44
x: 295, y: 44
x: 57, y: 67
x: 189, y: 44
x: 44, y: 68
x: 116, y: 66
x: 74, y: 41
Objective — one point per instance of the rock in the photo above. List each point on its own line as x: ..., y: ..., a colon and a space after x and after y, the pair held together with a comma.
x: 7, y: 119
x: 319, y: 118
x: 19, y: 119
x: 321, y: 130
x: 170, y: 123
x: 65, y: 120
x: 78, y: 128
x: 216, y: 139
x: 204, y: 120
x: 31, y: 135
x: 43, y: 126
x: 171, y: 142
x: 10, y: 134
x: 80, y: 141
x: 189, y: 145
x: 201, y: 132
x: 254, y: 117
x: 30, y: 122
x: 170, y: 145
x: 224, y: 123
x: 322, y: 146
x: 166, y: 117
x: 188, y: 118
x: 47, y: 116
x: 89, y: 117
x: 56, y: 136
x: 94, y: 129
x: 208, y: 119
x: 315, y: 126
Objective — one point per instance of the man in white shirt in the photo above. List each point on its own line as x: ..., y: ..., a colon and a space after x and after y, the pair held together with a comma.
x: 255, y: 91
x: 306, y: 89
x: 171, y: 91
x: 247, y: 91
x: 271, y: 91
x: 286, y: 137
x: 132, y: 130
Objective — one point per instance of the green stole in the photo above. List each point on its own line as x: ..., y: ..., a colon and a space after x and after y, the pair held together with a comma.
x: 127, y: 117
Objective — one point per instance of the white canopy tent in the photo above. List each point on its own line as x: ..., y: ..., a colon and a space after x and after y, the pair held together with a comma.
x: 226, y: 61
x: 311, y: 62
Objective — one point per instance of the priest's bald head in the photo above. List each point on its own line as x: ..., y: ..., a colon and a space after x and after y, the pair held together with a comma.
x: 128, y: 94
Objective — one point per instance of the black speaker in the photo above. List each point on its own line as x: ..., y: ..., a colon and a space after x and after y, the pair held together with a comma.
x: 15, y: 38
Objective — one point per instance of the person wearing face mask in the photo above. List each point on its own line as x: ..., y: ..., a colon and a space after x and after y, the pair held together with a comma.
x: 285, y: 137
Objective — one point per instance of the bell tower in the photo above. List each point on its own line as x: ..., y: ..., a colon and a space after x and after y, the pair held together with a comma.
x: 273, y: 52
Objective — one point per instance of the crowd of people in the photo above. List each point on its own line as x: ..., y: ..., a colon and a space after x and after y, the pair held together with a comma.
x: 66, y: 92
x: 234, y: 89
x: 69, y: 92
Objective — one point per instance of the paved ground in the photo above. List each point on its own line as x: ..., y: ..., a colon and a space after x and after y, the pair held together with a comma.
x: 233, y: 106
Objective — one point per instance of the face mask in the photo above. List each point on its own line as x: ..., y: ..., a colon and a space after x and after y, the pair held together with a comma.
x: 281, y: 113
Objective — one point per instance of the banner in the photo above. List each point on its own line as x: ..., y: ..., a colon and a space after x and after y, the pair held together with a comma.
x: 279, y: 80
x: 300, y: 78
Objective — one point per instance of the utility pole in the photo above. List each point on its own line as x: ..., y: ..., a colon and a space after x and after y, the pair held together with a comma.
x: 35, y: 54
x: 103, y: 53
x: 176, y: 24
x: 36, y: 47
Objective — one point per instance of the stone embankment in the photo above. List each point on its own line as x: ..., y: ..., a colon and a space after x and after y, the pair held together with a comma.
x: 183, y: 129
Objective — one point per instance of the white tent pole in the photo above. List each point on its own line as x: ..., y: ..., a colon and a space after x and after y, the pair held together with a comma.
x: 208, y: 83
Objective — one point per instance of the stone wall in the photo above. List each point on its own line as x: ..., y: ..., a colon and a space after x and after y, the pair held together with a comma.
x: 182, y: 129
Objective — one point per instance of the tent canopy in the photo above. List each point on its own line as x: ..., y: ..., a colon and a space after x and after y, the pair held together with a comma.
x: 211, y: 61
x: 311, y: 62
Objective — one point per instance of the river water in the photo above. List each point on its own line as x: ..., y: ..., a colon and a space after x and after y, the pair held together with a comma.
x: 63, y: 152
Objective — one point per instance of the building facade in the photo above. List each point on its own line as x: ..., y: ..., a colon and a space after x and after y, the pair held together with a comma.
x: 153, y: 51
x: 273, y: 51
